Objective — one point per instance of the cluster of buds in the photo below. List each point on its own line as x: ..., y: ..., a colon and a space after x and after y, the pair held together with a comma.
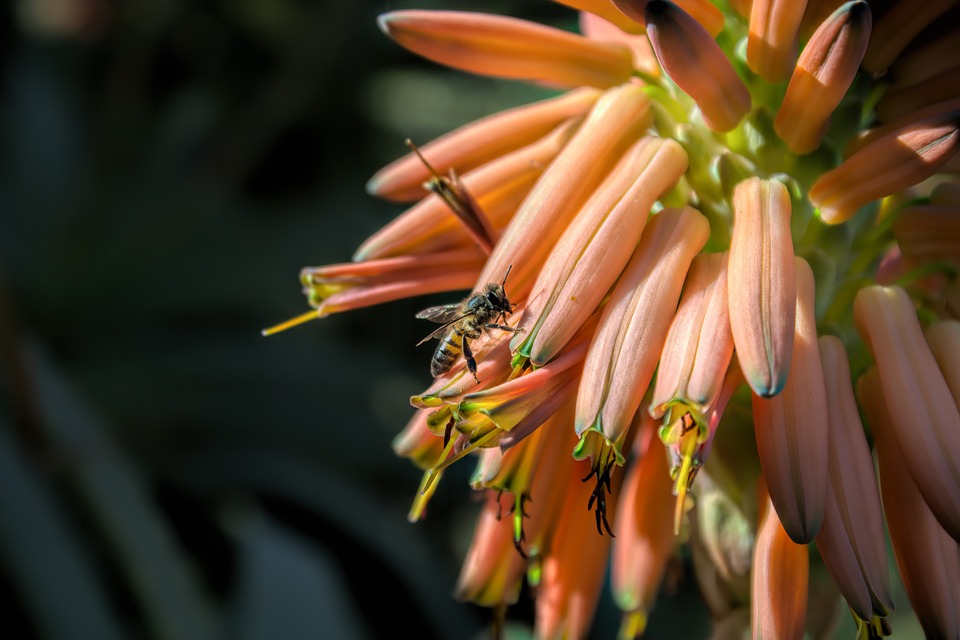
x: 733, y: 227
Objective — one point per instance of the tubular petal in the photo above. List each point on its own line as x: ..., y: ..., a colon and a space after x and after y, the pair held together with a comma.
x: 699, y: 345
x: 772, y: 44
x: 610, y: 128
x: 822, y: 76
x: 594, y: 249
x: 929, y: 232
x: 924, y: 418
x: 498, y: 187
x: 644, y: 527
x: 417, y: 443
x: 944, y: 340
x: 696, y: 63
x: 624, y: 353
x: 597, y: 28
x: 704, y: 12
x: 478, y: 143
x: 898, y: 160
x: 492, y: 571
x: 903, y: 101
x: 895, y: 29
x: 851, y: 541
x: 781, y: 572
x: 508, y: 48
x: 927, y: 556
x: 761, y: 284
x: 791, y: 428
x: 607, y: 10
x: 574, y: 564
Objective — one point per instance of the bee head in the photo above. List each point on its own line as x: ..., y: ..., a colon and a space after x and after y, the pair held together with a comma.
x: 497, y: 298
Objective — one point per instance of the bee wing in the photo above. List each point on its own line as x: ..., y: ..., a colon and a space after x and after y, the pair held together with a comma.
x: 438, y: 333
x: 442, y: 314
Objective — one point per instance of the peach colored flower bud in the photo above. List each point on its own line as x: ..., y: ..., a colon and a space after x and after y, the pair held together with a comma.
x: 927, y: 55
x: 607, y: 10
x: 791, y: 428
x: 929, y: 232
x: 696, y: 63
x: 498, y: 187
x: 822, y: 76
x: 699, y: 345
x: 851, y: 540
x: 492, y: 572
x: 867, y: 136
x: 610, y: 128
x: 772, y: 43
x: 781, y: 571
x: 509, y: 48
x: 594, y: 249
x: 704, y: 12
x: 891, y: 163
x: 417, y: 443
x: 904, y: 100
x: 644, y: 530
x: 353, y: 285
x: 624, y: 353
x: 926, y: 554
x: 597, y: 28
x: 815, y: 14
x: 574, y: 563
x: 924, y: 418
x: 944, y: 340
x: 478, y: 143
x: 761, y: 284
x: 896, y: 27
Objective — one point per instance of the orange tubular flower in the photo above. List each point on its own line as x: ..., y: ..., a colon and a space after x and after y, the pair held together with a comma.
x: 477, y: 143
x: 699, y: 345
x: 944, y: 340
x: 896, y: 27
x: 417, y: 443
x: 926, y: 554
x: 492, y: 572
x: 781, y: 571
x: 595, y: 247
x: 762, y: 286
x: 889, y: 164
x: 792, y: 436
x: 906, y: 100
x: 644, y: 532
x: 851, y: 540
x: 925, y: 420
x: 509, y: 48
x: 498, y: 187
x: 929, y: 232
x: 822, y: 76
x: 772, y: 46
x: 705, y: 13
x: 633, y: 327
x: 696, y: 63
x: 610, y: 128
x: 574, y: 564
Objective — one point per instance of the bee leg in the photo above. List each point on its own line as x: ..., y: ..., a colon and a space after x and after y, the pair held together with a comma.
x: 468, y: 356
x: 502, y: 327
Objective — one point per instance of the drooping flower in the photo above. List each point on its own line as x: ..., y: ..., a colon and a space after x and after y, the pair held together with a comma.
x: 679, y: 222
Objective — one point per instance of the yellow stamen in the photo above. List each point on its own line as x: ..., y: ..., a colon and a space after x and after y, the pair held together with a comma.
x: 633, y: 625
x: 313, y: 314
x: 687, y: 449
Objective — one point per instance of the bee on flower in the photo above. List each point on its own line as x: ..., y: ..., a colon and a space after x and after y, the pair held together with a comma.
x: 734, y: 230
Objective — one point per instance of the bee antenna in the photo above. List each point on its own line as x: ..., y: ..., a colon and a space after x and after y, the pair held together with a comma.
x: 504, y: 283
x: 429, y: 166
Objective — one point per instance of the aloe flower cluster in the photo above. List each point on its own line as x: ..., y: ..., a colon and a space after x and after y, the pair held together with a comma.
x: 732, y: 232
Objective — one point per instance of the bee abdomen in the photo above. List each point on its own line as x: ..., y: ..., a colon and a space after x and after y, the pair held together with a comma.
x: 446, y: 354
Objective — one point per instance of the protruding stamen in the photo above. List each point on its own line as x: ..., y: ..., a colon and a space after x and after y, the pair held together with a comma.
x: 313, y: 314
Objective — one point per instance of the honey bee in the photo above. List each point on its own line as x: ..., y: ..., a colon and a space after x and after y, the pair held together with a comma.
x: 464, y: 321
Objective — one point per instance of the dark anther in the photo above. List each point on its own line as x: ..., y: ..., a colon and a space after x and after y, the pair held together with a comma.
x: 447, y: 431
x: 499, y: 506
x: 598, y: 497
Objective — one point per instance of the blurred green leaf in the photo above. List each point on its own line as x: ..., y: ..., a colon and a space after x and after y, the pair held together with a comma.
x: 288, y: 588
x: 41, y: 550
x: 161, y: 577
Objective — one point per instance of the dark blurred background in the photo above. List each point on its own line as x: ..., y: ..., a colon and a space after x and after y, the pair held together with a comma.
x: 165, y: 472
